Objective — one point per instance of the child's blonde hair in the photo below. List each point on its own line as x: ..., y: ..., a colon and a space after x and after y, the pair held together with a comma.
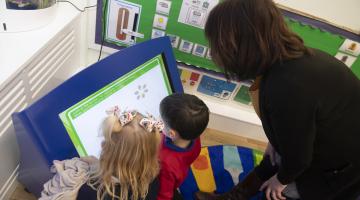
x: 129, y: 156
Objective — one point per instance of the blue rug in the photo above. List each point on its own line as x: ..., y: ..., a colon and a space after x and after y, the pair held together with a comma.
x: 218, y: 169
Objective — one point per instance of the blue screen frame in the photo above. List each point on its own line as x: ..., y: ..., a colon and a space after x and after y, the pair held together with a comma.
x: 40, y: 122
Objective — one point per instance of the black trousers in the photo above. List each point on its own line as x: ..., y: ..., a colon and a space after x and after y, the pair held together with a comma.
x: 265, y: 169
x: 177, y: 195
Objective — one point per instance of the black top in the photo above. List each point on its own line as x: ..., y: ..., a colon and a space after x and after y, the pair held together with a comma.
x: 88, y: 193
x: 310, y: 111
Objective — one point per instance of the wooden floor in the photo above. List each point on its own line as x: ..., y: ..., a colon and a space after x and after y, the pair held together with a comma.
x: 215, y: 137
x: 209, y: 138
x: 21, y: 194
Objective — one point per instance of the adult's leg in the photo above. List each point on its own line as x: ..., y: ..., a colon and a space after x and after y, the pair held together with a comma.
x: 265, y: 169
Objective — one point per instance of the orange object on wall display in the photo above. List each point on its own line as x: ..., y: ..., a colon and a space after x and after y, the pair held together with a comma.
x: 352, y: 46
x: 122, y: 23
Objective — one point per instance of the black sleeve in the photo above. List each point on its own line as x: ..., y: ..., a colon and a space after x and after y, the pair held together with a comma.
x: 151, y: 195
x: 293, y: 121
x: 153, y: 189
x: 86, y: 193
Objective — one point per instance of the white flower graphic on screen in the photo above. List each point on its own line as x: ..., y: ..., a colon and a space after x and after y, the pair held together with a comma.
x: 141, y: 91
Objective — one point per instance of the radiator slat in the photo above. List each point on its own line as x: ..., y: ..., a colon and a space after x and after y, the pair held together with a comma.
x: 38, y: 67
x: 44, y: 82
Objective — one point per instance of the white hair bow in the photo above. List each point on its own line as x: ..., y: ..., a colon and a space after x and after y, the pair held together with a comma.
x: 149, y: 123
x: 124, y: 117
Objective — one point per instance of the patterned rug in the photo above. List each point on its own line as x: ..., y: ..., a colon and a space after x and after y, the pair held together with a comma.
x: 219, y: 168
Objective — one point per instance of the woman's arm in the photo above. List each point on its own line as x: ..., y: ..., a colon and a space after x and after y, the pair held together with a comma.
x: 293, y: 121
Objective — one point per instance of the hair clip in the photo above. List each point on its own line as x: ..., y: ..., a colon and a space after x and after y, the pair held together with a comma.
x: 113, y: 111
x: 124, y: 117
x: 149, y: 123
x: 158, y: 124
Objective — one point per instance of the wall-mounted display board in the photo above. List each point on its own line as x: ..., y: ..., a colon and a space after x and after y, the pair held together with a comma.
x: 340, y: 43
x: 122, y: 23
x: 201, y: 82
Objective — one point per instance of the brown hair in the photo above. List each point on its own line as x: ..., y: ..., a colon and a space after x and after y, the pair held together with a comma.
x: 129, y: 158
x: 248, y: 36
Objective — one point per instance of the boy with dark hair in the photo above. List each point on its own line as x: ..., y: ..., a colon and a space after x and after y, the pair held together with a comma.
x: 185, y: 117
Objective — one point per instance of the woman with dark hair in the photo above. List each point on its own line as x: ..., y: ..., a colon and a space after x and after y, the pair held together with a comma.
x: 307, y: 100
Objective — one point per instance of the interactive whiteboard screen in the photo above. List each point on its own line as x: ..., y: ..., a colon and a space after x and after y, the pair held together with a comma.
x: 142, y: 89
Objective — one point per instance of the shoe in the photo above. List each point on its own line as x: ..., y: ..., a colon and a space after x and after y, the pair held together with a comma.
x: 242, y: 191
x: 249, y: 187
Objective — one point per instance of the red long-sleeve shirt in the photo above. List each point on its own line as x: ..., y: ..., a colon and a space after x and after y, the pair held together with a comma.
x: 175, y: 164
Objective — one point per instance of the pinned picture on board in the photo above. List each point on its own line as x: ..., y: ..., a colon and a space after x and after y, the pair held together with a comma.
x: 347, y: 59
x: 186, y: 46
x: 163, y: 7
x: 155, y: 33
x: 195, y: 12
x: 199, y: 50
x: 174, y: 40
x: 122, y: 19
x: 160, y: 22
x: 350, y: 47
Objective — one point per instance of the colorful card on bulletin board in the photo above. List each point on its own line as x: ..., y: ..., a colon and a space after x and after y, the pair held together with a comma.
x: 189, y: 78
x: 242, y: 95
x: 216, y: 87
x: 126, y: 22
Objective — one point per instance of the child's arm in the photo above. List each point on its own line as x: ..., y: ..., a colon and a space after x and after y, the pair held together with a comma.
x: 167, y: 185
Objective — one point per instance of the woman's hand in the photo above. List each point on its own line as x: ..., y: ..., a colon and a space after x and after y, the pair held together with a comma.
x: 271, y: 152
x: 273, y: 189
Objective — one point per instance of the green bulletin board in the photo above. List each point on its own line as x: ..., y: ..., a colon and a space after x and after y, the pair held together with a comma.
x: 184, y: 31
x: 317, y: 38
x: 313, y: 37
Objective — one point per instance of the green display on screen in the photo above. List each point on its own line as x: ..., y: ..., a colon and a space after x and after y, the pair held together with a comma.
x: 142, y: 89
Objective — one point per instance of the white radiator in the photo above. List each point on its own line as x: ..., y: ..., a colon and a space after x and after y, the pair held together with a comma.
x: 43, y: 69
x: 33, y: 81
